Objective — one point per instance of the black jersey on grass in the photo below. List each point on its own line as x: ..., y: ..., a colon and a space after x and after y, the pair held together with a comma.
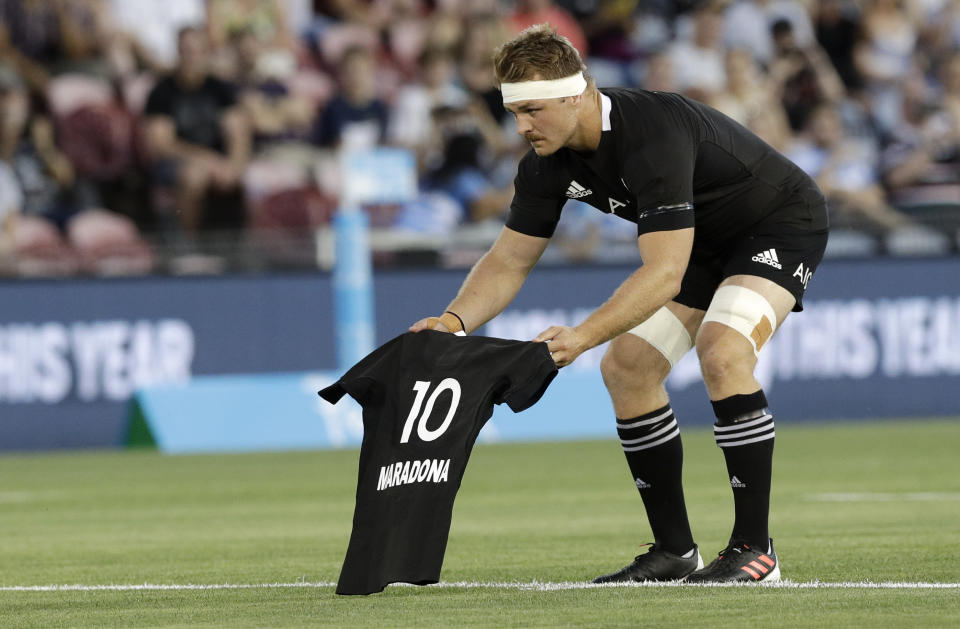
x: 668, y: 162
x: 425, y: 397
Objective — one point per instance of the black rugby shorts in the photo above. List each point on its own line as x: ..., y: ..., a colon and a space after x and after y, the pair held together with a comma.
x: 785, y: 254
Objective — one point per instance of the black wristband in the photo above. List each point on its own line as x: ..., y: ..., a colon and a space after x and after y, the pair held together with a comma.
x: 462, y: 327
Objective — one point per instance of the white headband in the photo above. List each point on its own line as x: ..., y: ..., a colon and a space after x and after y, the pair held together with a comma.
x: 533, y: 90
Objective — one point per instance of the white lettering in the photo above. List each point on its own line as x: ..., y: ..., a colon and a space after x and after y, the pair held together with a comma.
x: 447, y: 384
x: 381, y: 482
x: 116, y: 379
x: 85, y: 353
x: 47, y: 362
x: 174, y: 351
x: 857, y: 352
x: 803, y: 274
x: 54, y: 369
x: 436, y: 466
x: 409, y: 472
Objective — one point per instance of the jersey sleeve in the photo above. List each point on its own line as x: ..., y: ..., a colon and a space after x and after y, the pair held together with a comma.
x: 661, y: 177
x: 532, y: 373
x: 534, y: 211
x: 364, y: 381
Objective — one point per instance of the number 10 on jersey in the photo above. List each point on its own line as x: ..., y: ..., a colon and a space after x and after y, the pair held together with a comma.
x: 415, y: 417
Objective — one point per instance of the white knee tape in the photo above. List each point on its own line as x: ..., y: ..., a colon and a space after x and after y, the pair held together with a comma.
x: 744, y: 310
x: 665, y: 331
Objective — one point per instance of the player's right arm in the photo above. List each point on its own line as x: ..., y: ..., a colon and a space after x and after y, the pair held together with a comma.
x: 493, y: 282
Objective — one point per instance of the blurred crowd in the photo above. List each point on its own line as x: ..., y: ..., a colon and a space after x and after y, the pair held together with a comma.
x: 128, y: 124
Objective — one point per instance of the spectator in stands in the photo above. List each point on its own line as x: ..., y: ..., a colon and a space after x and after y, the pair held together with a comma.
x: 197, y: 136
x: 884, y: 57
x: 698, y: 59
x: 750, y: 99
x: 61, y: 36
x: 483, y: 33
x: 846, y: 169
x: 264, y: 19
x: 67, y: 37
x: 153, y: 26
x: 612, y: 35
x: 465, y: 168
x: 274, y: 111
x: 837, y: 27
x: 410, y: 116
x: 43, y: 173
x: 11, y: 200
x: 58, y: 228
x: 530, y: 12
x: 460, y: 187
x: 747, y: 25
x: 356, y: 116
x: 659, y: 74
x: 445, y: 26
x: 747, y: 90
x: 803, y: 75
x: 921, y: 160
x: 282, y: 160
x: 11, y: 57
x: 951, y: 90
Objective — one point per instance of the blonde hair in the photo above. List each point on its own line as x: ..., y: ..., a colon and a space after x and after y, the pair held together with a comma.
x: 538, y: 51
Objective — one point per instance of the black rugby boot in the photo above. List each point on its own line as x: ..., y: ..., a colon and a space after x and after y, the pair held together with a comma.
x: 655, y: 565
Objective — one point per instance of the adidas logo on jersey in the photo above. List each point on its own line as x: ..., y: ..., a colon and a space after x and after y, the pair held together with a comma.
x: 642, y: 484
x: 736, y: 482
x: 576, y: 191
x: 768, y: 257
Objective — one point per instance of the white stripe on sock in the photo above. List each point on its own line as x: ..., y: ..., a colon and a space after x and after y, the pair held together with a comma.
x: 727, y: 444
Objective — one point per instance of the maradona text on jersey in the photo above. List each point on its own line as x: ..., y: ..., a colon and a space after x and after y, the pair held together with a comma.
x: 408, y: 472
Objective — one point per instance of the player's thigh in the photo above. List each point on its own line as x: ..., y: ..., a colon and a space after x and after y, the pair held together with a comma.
x: 765, y: 277
x: 649, y: 351
x: 745, y: 313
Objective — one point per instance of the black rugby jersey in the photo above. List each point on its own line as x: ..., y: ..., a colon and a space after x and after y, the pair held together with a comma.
x: 425, y: 397
x: 667, y: 162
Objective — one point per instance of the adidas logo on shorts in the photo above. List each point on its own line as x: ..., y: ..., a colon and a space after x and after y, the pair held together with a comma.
x: 767, y: 257
x: 736, y: 482
x: 576, y: 191
x: 642, y: 484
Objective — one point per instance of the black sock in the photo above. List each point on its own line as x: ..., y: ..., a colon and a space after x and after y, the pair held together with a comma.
x: 651, y: 443
x: 744, y: 431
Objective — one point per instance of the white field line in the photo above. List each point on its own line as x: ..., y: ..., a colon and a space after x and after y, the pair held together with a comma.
x: 534, y: 586
x: 919, y: 496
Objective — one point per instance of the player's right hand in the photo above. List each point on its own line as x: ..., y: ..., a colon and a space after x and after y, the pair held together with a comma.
x: 429, y: 323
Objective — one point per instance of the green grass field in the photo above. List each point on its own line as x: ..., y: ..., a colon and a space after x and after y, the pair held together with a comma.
x: 549, y: 513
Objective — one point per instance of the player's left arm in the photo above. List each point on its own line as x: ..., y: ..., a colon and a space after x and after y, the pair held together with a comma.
x: 665, y: 256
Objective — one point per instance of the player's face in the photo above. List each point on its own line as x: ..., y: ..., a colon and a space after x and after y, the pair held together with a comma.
x: 547, y: 123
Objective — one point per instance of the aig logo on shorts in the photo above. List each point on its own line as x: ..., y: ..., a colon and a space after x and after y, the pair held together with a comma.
x: 804, y: 274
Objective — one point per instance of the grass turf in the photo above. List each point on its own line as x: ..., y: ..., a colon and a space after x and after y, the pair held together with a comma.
x: 546, y: 512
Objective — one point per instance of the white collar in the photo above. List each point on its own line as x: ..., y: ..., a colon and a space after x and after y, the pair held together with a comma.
x: 605, y: 112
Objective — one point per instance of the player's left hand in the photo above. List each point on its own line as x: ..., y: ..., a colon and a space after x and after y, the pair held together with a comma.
x: 565, y: 343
